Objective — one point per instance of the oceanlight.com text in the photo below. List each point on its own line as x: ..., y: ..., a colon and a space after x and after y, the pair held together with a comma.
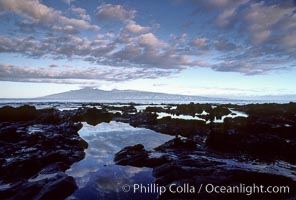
x: 205, y: 188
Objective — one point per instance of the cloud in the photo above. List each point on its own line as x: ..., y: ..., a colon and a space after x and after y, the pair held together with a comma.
x: 81, y: 13
x: 248, y: 29
x: 151, y: 41
x: 147, y: 58
x: 68, y: 1
x: 223, y: 12
x: 243, y: 35
x: 53, y: 65
x: 200, y: 46
x: 178, y: 39
x: 134, y: 28
x: 6, y: 44
x: 260, y: 22
x: 247, y: 68
x: 159, y: 84
x: 199, y: 42
x: 147, y: 50
x: 114, y: 12
x: 229, y: 12
x: 143, y: 51
x: 39, y: 13
x: 70, y: 74
x: 224, y: 45
x: 66, y: 29
x: 124, y: 38
x: 267, y: 22
x: 67, y: 46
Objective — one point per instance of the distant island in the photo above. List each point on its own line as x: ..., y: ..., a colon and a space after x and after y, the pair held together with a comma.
x: 136, y: 96
x: 90, y: 94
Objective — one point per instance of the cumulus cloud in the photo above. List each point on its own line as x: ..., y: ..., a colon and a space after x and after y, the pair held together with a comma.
x: 41, y: 14
x: 81, y: 13
x: 258, y: 29
x: 143, y: 51
x: 135, y: 28
x: 147, y: 51
x: 114, y: 12
x: 150, y: 40
x: 66, y: 29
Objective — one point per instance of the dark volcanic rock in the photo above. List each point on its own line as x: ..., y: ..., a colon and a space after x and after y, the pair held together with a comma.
x: 143, y: 118
x: 269, y: 137
x: 9, y: 135
x: 37, y: 142
x: 92, y: 116
x: 192, y: 109
x: 137, y: 156
x: 166, y: 125
x: 23, y: 113
x: 208, y: 175
x: 187, y: 128
x: 59, y: 186
x: 124, y: 109
x: 155, y: 109
x: 177, y: 144
x: 186, y: 168
x: 241, y: 152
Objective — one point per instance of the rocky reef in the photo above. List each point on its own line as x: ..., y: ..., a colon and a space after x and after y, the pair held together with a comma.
x: 257, y: 149
x: 218, y: 144
x: 37, y: 146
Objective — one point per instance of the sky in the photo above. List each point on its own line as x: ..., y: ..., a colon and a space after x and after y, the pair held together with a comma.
x: 226, y: 48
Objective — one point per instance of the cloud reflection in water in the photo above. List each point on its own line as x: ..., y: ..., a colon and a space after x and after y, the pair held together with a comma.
x: 97, y: 176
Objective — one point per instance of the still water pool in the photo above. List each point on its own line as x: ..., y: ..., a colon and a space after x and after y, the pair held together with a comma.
x: 97, y: 177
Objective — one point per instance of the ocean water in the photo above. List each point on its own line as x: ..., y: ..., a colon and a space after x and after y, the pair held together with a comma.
x: 17, y: 102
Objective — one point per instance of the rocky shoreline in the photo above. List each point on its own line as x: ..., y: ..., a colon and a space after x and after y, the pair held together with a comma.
x: 38, y: 145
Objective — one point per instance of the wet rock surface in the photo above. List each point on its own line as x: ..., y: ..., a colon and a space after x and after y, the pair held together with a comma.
x: 198, y: 167
x: 137, y: 156
x: 258, y: 149
x: 38, y: 145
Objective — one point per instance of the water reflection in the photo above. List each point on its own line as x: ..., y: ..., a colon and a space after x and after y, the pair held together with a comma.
x: 233, y: 114
x: 97, y: 176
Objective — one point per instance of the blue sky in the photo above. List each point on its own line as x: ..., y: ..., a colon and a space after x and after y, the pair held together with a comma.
x: 228, y: 48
